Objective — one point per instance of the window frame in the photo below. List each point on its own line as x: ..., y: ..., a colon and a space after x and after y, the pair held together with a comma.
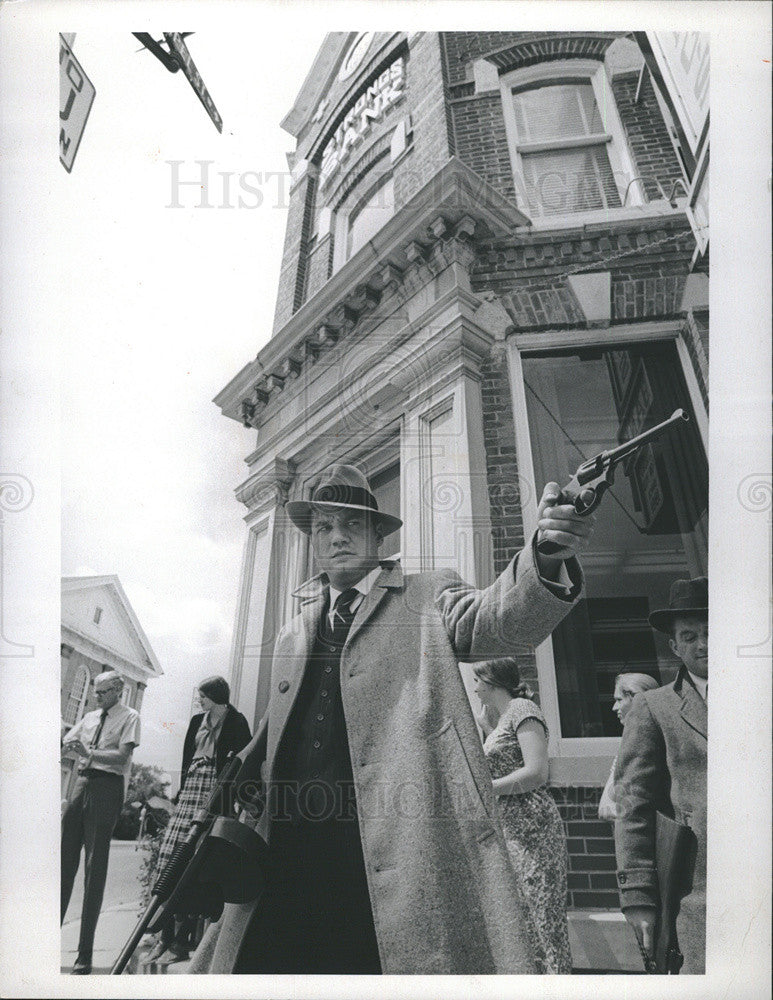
x: 613, y: 139
x: 578, y: 747
x: 82, y: 673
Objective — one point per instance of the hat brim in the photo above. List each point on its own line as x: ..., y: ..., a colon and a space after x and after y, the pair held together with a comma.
x: 299, y: 512
x: 663, y: 619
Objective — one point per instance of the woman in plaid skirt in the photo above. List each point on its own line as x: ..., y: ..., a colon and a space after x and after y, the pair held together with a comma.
x: 213, y: 734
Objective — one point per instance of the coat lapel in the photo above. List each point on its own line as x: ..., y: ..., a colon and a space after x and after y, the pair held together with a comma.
x: 693, y: 707
x: 391, y: 578
x: 291, y: 668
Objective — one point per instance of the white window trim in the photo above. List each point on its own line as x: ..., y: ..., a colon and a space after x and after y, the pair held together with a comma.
x: 620, y: 159
x: 587, y: 746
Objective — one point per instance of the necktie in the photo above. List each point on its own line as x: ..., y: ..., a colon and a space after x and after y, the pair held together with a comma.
x: 98, y: 731
x: 343, y: 616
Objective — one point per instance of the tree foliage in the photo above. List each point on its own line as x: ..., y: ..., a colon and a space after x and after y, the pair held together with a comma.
x: 146, y: 782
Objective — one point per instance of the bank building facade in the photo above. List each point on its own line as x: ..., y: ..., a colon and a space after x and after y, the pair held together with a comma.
x: 492, y: 271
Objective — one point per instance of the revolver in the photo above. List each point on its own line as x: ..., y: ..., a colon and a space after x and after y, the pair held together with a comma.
x: 594, y: 477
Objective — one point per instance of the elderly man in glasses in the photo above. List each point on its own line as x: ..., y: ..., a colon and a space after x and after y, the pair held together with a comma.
x: 103, y: 742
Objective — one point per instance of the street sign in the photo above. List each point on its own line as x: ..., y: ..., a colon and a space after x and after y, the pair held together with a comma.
x: 76, y: 95
x: 178, y: 48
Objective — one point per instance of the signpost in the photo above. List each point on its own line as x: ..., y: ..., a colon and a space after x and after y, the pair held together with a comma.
x: 179, y: 49
x: 76, y: 95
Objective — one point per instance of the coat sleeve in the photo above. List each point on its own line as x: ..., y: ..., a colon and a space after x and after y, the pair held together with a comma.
x: 641, y: 779
x: 241, y: 733
x: 190, y: 736
x: 518, y: 610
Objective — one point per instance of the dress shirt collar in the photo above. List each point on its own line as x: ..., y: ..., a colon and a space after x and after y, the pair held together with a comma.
x: 365, y: 585
x: 700, y: 683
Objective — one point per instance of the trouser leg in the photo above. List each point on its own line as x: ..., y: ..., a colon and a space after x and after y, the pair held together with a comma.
x: 316, y: 916
x: 72, y: 842
x: 102, y: 806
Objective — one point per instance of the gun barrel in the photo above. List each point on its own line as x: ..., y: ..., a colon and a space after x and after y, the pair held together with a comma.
x: 677, y: 417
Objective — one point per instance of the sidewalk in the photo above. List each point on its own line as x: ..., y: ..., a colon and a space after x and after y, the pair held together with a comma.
x: 601, y: 940
x: 601, y: 943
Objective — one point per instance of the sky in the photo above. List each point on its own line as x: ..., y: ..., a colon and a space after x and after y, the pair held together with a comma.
x: 162, y: 303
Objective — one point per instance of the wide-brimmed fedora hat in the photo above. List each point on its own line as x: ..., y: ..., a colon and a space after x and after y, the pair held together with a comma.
x: 341, y: 486
x: 687, y: 597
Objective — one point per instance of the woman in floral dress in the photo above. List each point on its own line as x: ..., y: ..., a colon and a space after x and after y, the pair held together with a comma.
x: 516, y: 748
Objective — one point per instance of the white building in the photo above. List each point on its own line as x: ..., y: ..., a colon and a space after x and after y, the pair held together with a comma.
x: 100, y: 631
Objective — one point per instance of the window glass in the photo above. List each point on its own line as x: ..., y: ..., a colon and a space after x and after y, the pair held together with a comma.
x: 652, y: 526
x: 370, y: 215
x: 574, y: 180
x: 556, y: 111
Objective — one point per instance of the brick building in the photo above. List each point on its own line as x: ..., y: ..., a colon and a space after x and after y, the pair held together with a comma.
x: 489, y: 274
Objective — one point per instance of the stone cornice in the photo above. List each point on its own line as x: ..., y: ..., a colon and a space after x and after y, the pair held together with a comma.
x: 436, y: 229
x: 451, y: 336
x: 267, y: 488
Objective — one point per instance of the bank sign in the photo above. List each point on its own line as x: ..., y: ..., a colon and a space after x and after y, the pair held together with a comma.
x: 371, y: 106
x: 76, y: 95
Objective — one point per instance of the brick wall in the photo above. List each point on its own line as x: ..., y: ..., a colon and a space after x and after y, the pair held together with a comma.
x: 511, y: 49
x: 319, y: 265
x: 648, y: 268
x: 290, y: 288
x: 477, y: 122
x: 590, y: 842
x: 646, y: 133
x: 480, y: 140
x: 426, y: 103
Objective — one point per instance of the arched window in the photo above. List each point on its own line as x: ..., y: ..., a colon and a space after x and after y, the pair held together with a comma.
x: 566, y: 140
x: 76, y: 699
x: 370, y: 214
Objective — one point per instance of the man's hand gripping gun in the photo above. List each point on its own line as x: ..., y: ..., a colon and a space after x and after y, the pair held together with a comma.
x: 594, y: 477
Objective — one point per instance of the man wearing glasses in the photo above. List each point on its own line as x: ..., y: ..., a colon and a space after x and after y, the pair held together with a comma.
x: 103, y: 742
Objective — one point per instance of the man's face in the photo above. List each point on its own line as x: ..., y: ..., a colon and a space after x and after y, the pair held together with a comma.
x: 345, y: 543
x: 107, y: 693
x: 690, y: 642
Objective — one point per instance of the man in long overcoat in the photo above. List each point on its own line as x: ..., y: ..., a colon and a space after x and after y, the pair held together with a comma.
x: 387, y: 852
x: 661, y: 767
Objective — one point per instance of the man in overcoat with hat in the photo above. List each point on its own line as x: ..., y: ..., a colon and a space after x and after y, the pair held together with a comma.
x: 661, y: 767
x: 386, y: 851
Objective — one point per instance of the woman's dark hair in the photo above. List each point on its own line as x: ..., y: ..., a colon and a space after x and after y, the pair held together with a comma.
x: 216, y: 689
x: 503, y: 673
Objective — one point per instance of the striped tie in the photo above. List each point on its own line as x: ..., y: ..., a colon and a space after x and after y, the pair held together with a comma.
x: 343, y: 616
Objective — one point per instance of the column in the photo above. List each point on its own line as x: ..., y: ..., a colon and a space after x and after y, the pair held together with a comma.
x: 261, y: 593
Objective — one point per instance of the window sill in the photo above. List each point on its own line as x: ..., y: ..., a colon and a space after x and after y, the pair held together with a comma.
x: 604, y: 217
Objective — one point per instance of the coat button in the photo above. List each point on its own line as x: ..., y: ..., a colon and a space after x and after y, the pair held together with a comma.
x: 621, y: 878
x: 284, y: 686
